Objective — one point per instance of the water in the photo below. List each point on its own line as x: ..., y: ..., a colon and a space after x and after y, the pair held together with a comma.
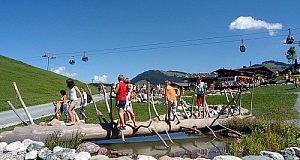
x: 184, y: 144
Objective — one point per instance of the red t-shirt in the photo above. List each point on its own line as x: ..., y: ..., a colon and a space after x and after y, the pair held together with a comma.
x: 121, y: 94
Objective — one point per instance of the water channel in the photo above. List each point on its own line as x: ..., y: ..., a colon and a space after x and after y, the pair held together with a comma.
x: 184, y: 144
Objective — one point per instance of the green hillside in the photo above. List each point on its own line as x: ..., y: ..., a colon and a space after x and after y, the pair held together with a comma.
x: 158, y: 77
x: 37, y: 86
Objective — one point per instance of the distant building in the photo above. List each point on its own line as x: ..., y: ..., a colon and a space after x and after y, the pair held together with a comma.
x: 259, y: 69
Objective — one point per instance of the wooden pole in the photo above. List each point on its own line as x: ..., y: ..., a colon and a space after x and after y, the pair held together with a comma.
x: 193, y: 101
x: 153, y: 129
x: 23, y: 104
x: 251, y: 100
x: 148, y: 100
x: 169, y: 136
x: 14, y: 109
x: 99, y: 114
x: 154, y: 108
x: 106, y: 102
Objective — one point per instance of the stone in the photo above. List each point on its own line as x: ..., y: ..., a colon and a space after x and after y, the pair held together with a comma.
x: 273, y: 155
x: 27, y: 142
x: 62, y: 154
x: 54, y: 122
x: 165, y: 158
x: 226, y: 158
x: 34, y: 146
x: 287, y: 153
x: 99, y: 157
x: 256, y: 158
x: 82, y: 156
x: 44, y: 153
x: 88, y: 147
x: 297, y: 151
x: 144, y: 157
x: 12, y: 146
x: 31, y: 155
x: 2, y: 145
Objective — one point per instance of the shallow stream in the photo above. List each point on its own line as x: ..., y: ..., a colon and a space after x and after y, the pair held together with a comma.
x: 184, y: 145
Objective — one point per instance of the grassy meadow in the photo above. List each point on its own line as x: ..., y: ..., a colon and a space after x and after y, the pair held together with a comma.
x: 36, y: 86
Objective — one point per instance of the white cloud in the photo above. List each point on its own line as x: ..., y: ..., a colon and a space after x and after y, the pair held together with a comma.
x: 246, y: 23
x: 101, y: 79
x: 62, y: 71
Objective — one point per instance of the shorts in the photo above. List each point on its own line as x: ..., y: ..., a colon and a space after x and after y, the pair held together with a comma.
x: 172, y: 104
x: 200, y: 97
x: 64, y: 109
x: 82, y: 110
x: 121, y: 104
x: 74, y: 103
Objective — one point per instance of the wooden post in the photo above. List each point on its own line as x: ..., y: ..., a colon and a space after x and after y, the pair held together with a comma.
x: 148, y: 100
x: 160, y: 137
x: 169, y: 136
x: 154, y: 108
x: 106, y: 102
x: 193, y: 101
x: 251, y: 100
x: 99, y: 114
x: 23, y: 104
x: 14, y: 109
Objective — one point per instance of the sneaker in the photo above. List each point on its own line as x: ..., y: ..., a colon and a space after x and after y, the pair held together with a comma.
x: 86, y: 120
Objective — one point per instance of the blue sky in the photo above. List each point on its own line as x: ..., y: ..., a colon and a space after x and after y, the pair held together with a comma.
x: 130, y: 37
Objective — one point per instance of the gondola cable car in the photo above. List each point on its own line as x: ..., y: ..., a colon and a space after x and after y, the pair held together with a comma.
x: 72, y: 61
x: 84, y: 58
x: 290, y: 38
x: 242, y: 47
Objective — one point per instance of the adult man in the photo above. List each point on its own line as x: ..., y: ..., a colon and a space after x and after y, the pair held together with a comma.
x: 83, y: 104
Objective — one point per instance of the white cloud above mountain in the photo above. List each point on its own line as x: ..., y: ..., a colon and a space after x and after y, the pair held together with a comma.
x: 101, y: 79
x: 62, y: 71
x: 248, y: 23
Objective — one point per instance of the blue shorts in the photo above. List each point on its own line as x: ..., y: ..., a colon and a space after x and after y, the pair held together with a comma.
x: 64, y: 109
x: 121, y: 104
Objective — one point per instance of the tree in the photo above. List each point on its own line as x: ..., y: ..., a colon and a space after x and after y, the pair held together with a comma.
x: 291, y: 56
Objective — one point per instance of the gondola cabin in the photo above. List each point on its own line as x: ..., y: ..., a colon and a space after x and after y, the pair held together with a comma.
x: 242, y: 48
x: 85, y: 59
x: 289, y: 39
x: 72, y: 61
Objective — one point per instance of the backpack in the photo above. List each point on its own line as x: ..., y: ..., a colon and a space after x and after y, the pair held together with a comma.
x: 89, y: 98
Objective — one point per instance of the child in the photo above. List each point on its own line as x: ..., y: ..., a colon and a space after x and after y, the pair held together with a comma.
x: 73, y: 89
x: 56, y: 113
x: 120, y: 91
x: 128, y: 106
x: 64, y: 104
x: 170, y: 92
x: 201, y: 102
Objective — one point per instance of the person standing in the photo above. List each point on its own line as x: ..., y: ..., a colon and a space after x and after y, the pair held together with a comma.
x: 201, y: 101
x: 73, y: 97
x: 120, y: 90
x: 83, y: 104
x: 128, y: 107
x: 171, y: 97
x: 64, y: 104
x: 296, y: 82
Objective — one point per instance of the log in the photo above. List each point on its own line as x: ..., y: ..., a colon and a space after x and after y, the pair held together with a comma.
x: 99, y: 131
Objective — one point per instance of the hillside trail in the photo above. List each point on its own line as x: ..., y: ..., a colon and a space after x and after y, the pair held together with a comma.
x: 9, y: 118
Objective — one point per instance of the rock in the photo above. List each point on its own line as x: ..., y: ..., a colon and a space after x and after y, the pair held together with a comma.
x: 297, y: 151
x: 34, y: 146
x: 143, y: 157
x: 2, y: 145
x: 165, y: 158
x: 31, y: 155
x: 226, y: 158
x: 82, y: 156
x: 27, y: 142
x: 287, y: 153
x: 99, y: 157
x: 54, y: 122
x: 88, y: 147
x: 62, y: 154
x: 57, y: 149
x: 256, y: 158
x: 44, y: 153
x: 273, y: 155
x: 102, y: 151
x: 12, y: 146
